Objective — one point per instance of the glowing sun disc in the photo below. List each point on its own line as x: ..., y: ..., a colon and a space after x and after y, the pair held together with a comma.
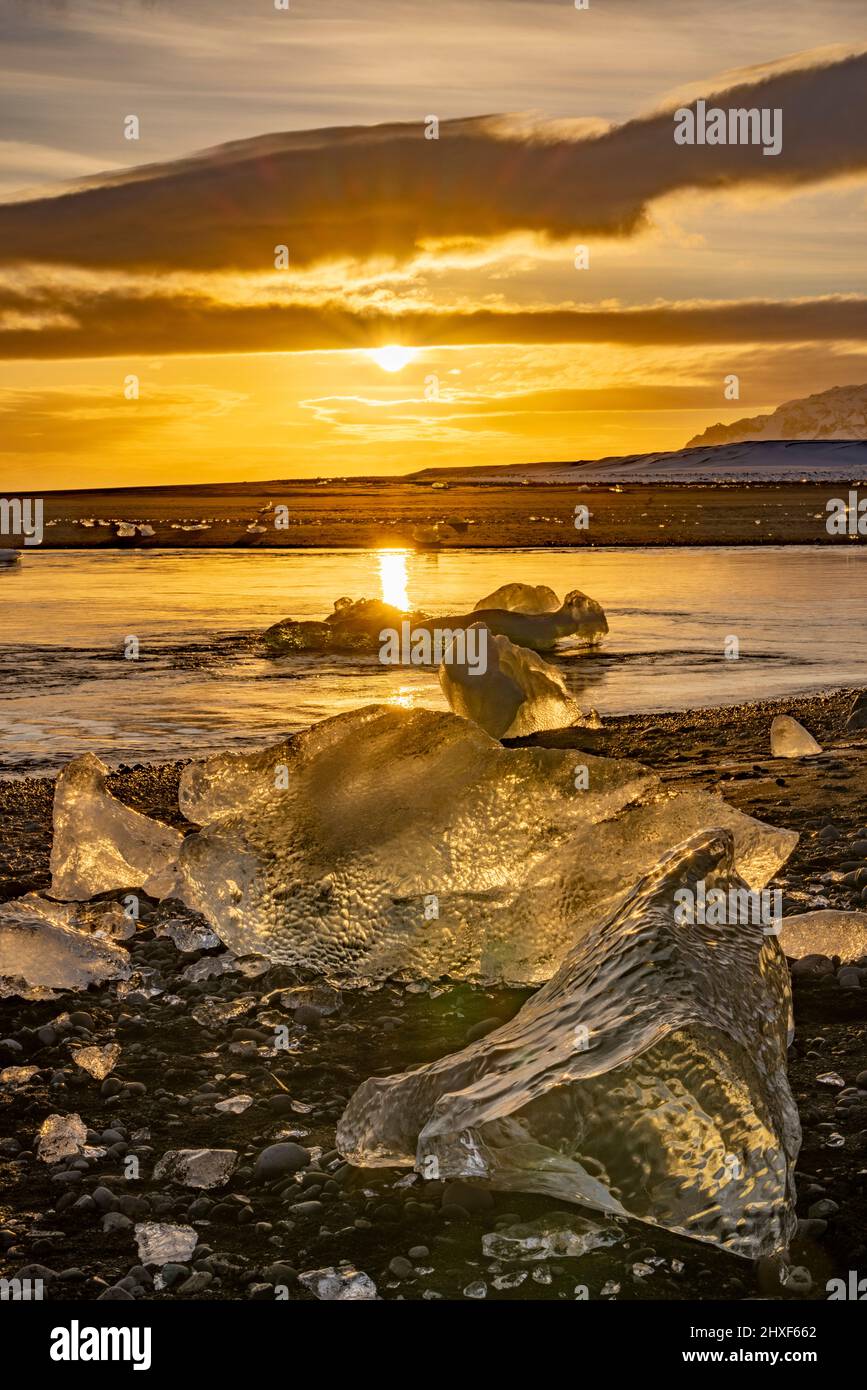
x: 393, y: 357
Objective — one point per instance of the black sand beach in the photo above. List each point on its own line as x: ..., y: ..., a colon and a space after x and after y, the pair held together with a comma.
x: 415, y: 1239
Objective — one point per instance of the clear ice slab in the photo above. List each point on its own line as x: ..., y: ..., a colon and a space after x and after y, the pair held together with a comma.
x: 789, y: 739
x: 829, y: 932
x: 42, y: 949
x: 516, y: 694
x: 99, y: 844
x: 408, y: 843
x: 646, y: 1079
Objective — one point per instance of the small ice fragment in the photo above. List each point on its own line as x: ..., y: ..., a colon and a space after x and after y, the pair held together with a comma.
x: 831, y: 933
x: 61, y: 1136
x: 609, y: 1289
x: 160, y: 1243
x: 521, y: 598
x: 105, y: 919
x: 478, y: 1289
x: 832, y: 1079
x: 340, y: 1285
x: 323, y: 998
x: 209, y: 967
x: 124, y: 530
x: 41, y: 945
x: 789, y: 739
x: 100, y: 844
x: 513, y: 1280
x: 203, y: 1168
x: 213, y: 1011
x: 556, y: 1235
x: 146, y: 982
x: 17, y: 1076
x: 510, y: 693
x: 100, y: 1062
x: 188, y: 936
x: 235, y: 1105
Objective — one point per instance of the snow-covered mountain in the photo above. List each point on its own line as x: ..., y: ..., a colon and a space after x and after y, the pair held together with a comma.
x: 764, y: 461
x: 840, y: 413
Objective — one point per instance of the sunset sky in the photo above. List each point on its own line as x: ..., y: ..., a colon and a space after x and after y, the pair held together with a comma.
x: 262, y: 128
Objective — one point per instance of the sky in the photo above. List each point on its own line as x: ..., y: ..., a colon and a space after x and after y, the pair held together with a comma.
x: 282, y: 275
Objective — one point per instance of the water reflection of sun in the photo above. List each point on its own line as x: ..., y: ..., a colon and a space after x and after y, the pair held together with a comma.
x: 393, y: 578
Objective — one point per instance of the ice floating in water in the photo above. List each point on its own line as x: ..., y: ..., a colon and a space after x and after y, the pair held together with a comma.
x: 646, y: 1079
x: 517, y: 693
x: 357, y: 626
x: 42, y: 949
x: 100, y: 1062
x: 522, y: 598
x: 160, y: 1243
x: 61, y: 1136
x: 789, y: 739
x: 557, y: 1235
x: 388, y: 841
x: 100, y: 844
x: 826, y: 933
x: 338, y: 1285
x: 203, y: 1168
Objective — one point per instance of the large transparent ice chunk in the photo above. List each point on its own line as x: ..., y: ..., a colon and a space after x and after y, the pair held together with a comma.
x: 402, y: 842
x: 99, y: 844
x: 647, y: 1078
x: 511, y: 693
x: 41, y: 950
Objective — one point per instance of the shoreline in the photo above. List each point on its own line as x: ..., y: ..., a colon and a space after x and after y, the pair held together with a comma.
x: 356, y: 514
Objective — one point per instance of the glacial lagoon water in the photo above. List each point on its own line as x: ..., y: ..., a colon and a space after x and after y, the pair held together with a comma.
x: 201, y: 682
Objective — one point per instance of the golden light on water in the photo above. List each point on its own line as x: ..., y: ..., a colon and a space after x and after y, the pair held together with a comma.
x: 393, y: 357
x: 393, y: 578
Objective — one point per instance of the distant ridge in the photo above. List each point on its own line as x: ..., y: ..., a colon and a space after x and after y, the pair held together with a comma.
x: 840, y: 413
x: 766, y: 461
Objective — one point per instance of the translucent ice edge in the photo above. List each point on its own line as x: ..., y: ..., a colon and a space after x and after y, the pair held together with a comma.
x: 647, y: 1078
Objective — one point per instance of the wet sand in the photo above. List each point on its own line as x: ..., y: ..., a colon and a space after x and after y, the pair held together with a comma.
x: 368, y: 513
x: 254, y: 1236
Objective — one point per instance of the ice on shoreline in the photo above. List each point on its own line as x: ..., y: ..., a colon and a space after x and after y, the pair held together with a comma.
x: 789, y: 739
x: 829, y: 932
x: 516, y: 694
x: 43, y: 950
x: 647, y: 1078
x: 521, y: 598
x: 409, y: 843
x: 99, y: 844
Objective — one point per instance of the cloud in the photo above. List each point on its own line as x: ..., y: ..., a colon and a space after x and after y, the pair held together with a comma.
x: 119, y: 323
x: 373, y: 191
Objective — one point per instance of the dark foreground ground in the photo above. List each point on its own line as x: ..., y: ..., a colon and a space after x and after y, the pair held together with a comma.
x: 372, y: 514
x: 414, y: 1239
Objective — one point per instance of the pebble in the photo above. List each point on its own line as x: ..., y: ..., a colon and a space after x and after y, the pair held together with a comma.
x: 278, y: 1159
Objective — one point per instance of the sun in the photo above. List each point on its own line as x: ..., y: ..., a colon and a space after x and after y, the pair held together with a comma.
x: 393, y: 357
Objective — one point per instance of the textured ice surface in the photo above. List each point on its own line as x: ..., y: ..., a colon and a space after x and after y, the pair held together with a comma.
x: 197, y: 1167
x: 578, y: 618
x: 516, y: 694
x: 99, y: 844
x: 100, y: 1062
x: 646, y: 1078
x: 402, y: 842
x: 41, y: 949
x: 522, y: 598
x: 789, y: 739
x: 160, y: 1243
x: 338, y: 1285
x: 827, y: 933
x: 61, y: 1136
x: 556, y: 1235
